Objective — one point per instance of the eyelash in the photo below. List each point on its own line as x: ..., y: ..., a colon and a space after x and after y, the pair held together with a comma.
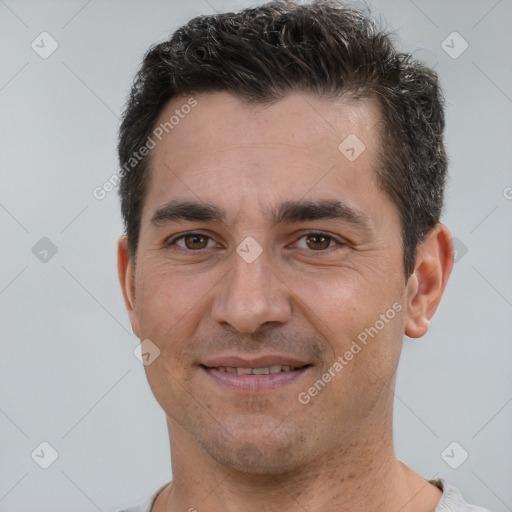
x: 332, y: 238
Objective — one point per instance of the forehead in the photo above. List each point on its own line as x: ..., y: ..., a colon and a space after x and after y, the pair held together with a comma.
x: 301, y: 145
x: 220, y: 121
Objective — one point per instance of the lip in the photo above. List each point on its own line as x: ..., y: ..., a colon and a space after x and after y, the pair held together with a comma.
x: 258, y: 362
x: 254, y: 383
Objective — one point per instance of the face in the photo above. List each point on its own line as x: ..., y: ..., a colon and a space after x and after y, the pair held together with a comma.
x: 290, y: 256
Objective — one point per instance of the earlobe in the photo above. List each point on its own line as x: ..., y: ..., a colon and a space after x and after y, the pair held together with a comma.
x: 434, y: 263
x: 127, y: 281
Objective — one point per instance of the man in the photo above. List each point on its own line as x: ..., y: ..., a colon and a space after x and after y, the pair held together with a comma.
x: 282, y: 184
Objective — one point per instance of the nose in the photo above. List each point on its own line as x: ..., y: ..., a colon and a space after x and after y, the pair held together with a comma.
x: 251, y: 295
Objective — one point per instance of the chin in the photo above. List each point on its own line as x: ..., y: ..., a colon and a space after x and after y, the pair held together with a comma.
x: 249, y: 448
x: 256, y: 460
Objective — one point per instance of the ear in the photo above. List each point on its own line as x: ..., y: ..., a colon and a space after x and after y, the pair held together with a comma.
x: 126, y: 274
x: 434, y: 263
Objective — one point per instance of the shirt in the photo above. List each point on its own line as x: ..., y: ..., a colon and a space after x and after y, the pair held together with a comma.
x: 451, y: 500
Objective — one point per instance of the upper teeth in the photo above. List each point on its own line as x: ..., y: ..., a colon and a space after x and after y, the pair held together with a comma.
x: 256, y: 371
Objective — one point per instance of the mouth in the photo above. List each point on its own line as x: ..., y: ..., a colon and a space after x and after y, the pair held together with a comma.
x: 245, y: 379
x: 257, y: 371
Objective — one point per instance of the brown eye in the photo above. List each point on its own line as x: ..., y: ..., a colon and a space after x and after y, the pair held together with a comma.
x: 318, y: 241
x: 195, y: 241
x: 191, y: 242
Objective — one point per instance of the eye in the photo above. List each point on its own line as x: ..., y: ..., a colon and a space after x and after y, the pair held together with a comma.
x: 191, y: 241
x: 195, y: 242
x: 318, y: 241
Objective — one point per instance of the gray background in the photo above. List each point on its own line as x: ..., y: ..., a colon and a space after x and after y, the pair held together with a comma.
x: 68, y: 373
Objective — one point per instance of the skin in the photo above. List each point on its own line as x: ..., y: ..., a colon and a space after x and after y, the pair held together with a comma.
x: 301, y: 296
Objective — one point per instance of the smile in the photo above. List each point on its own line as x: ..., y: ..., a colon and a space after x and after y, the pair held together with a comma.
x: 255, y: 379
x: 256, y: 371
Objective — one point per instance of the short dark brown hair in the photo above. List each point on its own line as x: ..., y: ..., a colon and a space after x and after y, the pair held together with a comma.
x: 261, y: 54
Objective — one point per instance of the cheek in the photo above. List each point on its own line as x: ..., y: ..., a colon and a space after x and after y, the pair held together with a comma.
x: 359, y: 314
x: 337, y: 301
x: 377, y: 346
x: 163, y: 310
x: 171, y: 304
x: 168, y: 295
x: 168, y: 304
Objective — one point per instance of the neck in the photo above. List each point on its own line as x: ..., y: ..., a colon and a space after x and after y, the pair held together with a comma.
x: 361, y: 474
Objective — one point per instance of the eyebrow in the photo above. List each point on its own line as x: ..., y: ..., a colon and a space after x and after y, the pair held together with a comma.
x: 287, y: 212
